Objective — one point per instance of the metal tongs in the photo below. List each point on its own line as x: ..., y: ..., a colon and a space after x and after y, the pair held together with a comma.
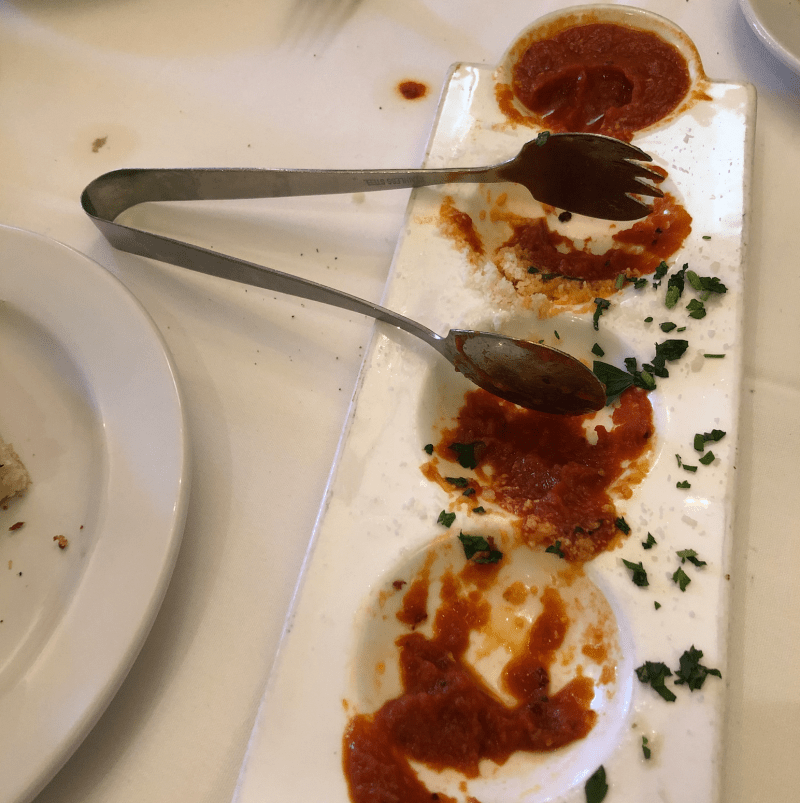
x: 583, y: 173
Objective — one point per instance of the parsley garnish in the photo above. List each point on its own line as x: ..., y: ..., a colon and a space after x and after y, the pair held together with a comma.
x: 659, y: 274
x: 692, y: 673
x: 691, y: 556
x: 459, y: 482
x: 597, y: 350
x: 477, y: 547
x: 601, y: 304
x: 668, y: 326
x: 675, y: 285
x: 714, y: 356
x: 623, y: 525
x: 596, y: 787
x: 639, y: 575
x: 615, y: 379
x: 541, y: 138
x: 696, y: 308
x: 646, y: 747
x: 479, y: 509
x: 656, y: 605
x: 683, y: 485
x: 707, y: 459
x: 655, y: 673
x: 466, y: 453
x: 446, y: 518
x: 429, y: 448
x: 469, y: 492
x: 650, y: 542
x: 555, y: 549
x: 701, y: 439
x: 681, y: 579
x: 706, y: 284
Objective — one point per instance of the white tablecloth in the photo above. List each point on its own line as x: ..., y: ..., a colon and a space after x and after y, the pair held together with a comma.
x: 88, y: 86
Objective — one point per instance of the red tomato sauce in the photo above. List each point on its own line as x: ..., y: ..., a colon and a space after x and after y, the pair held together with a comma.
x: 636, y: 251
x: 544, y: 469
x: 602, y: 78
x: 446, y: 716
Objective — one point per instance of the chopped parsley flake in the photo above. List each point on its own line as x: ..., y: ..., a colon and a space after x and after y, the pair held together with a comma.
x: 696, y: 309
x: 619, y: 282
x: 701, y: 439
x: 656, y: 605
x: 692, y: 673
x: 596, y: 787
x: 469, y: 492
x: 479, y: 509
x: 623, y: 525
x: 668, y: 326
x: 541, y: 138
x: 691, y: 556
x: 597, y: 350
x: 714, y: 356
x: 459, y: 482
x: 675, y: 285
x: 707, y: 459
x: 446, y: 518
x: 650, y: 542
x: 648, y: 319
x: 681, y: 579
x: 555, y: 549
x: 478, y: 548
x: 684, y: 484
x: 615, y: 379
x: 639, y: 575
x: 466, y: 453
x: 655, y: 674
x: 660, y: 272
x: 601, y: 304
x: 428, y: 448
x: 646, y: 747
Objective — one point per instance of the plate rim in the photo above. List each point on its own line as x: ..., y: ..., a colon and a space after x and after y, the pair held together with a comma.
x: 24, y: 780
x: 787, y: 57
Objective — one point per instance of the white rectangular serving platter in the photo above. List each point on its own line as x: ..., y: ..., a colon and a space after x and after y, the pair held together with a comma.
x: 380, y: 511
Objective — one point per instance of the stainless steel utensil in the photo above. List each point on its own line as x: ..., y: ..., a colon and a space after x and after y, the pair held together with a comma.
x: 529, y: 374
x: 587, y: 174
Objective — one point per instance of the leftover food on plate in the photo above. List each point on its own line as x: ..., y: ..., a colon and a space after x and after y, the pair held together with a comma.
x: 600, y: 77
x: 510, y: 660
x: 14, y: 477
x: 556, y: 475
x: 548, y: 261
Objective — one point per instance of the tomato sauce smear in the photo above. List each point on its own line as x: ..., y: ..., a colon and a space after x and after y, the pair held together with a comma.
x: 447, y: 717
x: 546, y: 470
x: 601, y: 78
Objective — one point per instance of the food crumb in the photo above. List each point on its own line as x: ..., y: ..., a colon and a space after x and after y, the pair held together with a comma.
x: 98, y: 143
x: 63, y: 543
x: 16, y: 526
x: 412, y: 90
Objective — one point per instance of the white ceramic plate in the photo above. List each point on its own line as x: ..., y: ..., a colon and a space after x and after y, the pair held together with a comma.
x: 777, y: 25
x: 89, y: 400
x: 381, y: 513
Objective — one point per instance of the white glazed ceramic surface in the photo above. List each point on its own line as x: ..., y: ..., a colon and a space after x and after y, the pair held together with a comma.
x: 89, y: 400
x: 381, y: 513
x: 777, y: 25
